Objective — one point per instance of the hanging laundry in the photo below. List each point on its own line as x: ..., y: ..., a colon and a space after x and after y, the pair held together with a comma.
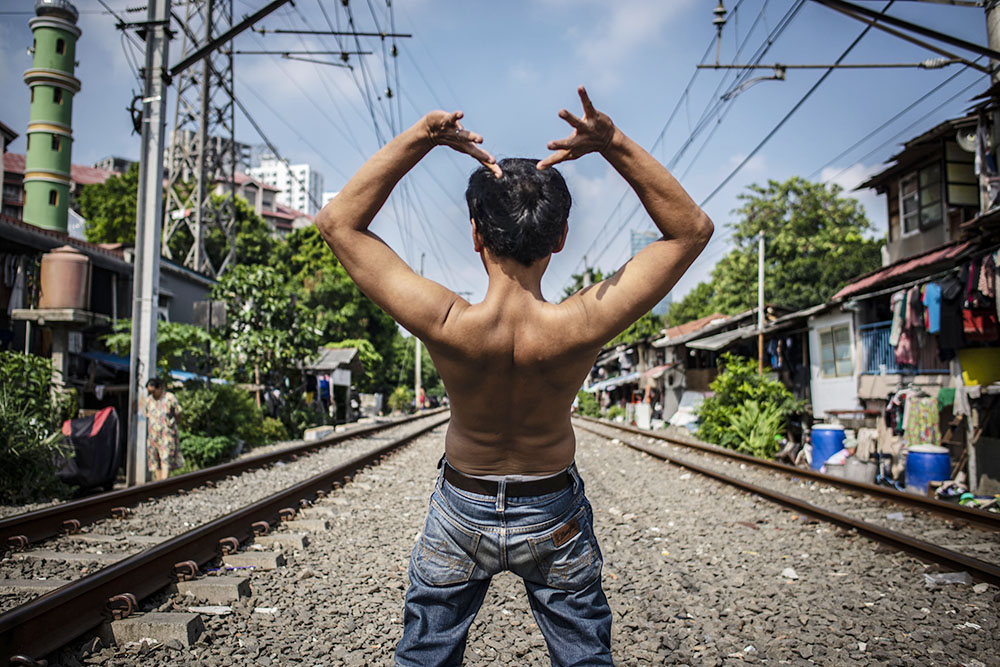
x: 986, y: 274
x: 922, y: 419
x: 898, y: 310
x: 950, y: 337
x: 914, y: 310
x: 932, y: 307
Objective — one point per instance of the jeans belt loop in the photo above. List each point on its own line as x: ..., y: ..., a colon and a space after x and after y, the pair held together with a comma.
x: 501, y: 495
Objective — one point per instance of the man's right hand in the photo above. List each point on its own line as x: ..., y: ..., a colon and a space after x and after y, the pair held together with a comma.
x: 592, y: 133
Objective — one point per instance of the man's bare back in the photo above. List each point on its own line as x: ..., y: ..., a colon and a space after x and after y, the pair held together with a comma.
x: 513, y: 363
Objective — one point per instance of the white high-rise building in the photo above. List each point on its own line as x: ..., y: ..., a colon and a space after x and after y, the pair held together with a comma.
x: 290, y: 180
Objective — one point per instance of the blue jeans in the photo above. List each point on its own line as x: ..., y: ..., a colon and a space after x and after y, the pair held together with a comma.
x: 546, y: 540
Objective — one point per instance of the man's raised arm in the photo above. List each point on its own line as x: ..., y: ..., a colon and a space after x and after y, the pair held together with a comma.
x: 417, y: 303
x: 613, y: 304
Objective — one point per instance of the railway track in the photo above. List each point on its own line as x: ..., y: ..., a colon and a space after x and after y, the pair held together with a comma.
x: 114, y: 572
x: 964, y: 539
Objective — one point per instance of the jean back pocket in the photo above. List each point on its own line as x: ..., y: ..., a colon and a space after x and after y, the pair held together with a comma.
x: 445, y: 552
x: 568, y: 556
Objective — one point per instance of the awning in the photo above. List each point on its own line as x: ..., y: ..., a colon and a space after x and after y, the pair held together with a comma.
x: 611, y: 383
x: 112, y: 361
x: 720, y: 340
x: 909, y: 269
x: 657, y: 372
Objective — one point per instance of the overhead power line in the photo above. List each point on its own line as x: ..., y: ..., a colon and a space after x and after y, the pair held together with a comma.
x: 791, y: 113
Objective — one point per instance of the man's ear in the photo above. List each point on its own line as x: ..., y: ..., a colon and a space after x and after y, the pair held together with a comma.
x: 477, y: 240
x: 562, y: 239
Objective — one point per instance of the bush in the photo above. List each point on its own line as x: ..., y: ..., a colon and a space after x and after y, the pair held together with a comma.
x: 615, y: 411
x: 221, y: 410
x: 586, y: 404
x: 401, y: 399
x: 297, y: 415
x: 725, y: 417
x: 756, y: 428
x: 203, y: 451
x: 31, y: 443
x: 274, y: 430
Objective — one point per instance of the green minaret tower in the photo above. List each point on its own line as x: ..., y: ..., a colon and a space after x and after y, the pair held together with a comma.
x: 50, y: 130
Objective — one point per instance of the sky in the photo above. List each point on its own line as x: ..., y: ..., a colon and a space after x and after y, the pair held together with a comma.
x: 510, y: 67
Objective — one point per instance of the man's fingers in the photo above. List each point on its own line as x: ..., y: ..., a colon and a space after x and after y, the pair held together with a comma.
x: 588, y: 106
x: 555, y: 158
x: 571, y: 119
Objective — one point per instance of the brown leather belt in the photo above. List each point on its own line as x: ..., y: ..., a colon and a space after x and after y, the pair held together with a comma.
x: 487, y: 487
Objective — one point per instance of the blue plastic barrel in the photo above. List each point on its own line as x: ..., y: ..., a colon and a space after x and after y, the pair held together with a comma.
x: 926, y: 463
x: 827, y: 440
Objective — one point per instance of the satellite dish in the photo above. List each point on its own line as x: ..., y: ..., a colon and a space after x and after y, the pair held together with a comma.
x: 966, y: 139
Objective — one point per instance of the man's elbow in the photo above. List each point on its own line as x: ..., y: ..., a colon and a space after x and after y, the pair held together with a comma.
x: 326, y: 223
x: 703, y: 230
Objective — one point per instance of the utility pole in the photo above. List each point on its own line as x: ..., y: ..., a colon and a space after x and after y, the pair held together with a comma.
x: 760, y: 303
x: 993, y: 34
x: 417, y: 381
x: 149, y: 222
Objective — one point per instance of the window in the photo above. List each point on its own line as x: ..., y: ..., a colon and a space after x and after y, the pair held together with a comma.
x: 56, y: 142
x: 60, y: 46
x: 920, y: 199
x: 33, y: 101
x: 53, y: 198
x: 28, y: 147
x: 835, y: 351
x: 57, y: 95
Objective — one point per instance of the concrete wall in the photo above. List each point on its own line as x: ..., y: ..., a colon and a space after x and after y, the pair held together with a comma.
x: 831, y: 393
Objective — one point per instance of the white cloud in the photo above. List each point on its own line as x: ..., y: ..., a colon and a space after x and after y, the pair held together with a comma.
x: 756, y: 165
x: 627, y: 27
x: 523, y: 72
x: 851, y: 177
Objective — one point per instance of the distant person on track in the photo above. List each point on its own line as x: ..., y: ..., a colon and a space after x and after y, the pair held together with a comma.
x: 509, y: 496
x: 163, y: 449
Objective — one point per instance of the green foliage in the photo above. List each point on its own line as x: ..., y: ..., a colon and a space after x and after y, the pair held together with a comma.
x: 273, y: 430
x: 615, y: 411
x: 341, y: 312
x: 109, y: 208
x: 401, y: 399
x: 737, y: 386
x: 370, y: 359
x: 756, y: 428
x: 266, y: 327
x: 587, y: 405
x: 815, y: 243
x: 644, y: 327
x: 297, y: 415
x: 593, y: 275
x: 30, y: 440
x: 201, y: 451
x: 221, y: 410
x: 178, y: 346
x: 697, y: 303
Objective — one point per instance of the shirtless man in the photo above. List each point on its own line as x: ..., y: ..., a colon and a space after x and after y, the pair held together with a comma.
x: 509, y: 496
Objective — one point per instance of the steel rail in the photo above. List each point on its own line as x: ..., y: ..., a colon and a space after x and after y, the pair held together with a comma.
x: 989, y: 520
x: 54, y: 619
x: 979, y: 569
x: 51, y: 521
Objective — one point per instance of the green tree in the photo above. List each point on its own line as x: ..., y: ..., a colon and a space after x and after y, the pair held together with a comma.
x: 178, y: 345
x: 815, y: 243
x: 109, y: 208
x: 697, y: 303
x: 342, y: 311
x: 255, y: 242
x: 267, y: 328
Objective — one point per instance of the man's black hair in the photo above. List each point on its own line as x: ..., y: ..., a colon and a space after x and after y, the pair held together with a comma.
x: 155, y: 383
x: 521, y: 215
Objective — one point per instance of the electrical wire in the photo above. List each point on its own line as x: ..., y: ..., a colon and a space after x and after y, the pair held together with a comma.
x: 795, y: 108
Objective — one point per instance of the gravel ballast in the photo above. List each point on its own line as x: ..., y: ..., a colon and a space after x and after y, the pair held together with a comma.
x: 696, y: 573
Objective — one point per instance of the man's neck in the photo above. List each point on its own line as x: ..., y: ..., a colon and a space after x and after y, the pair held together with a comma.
x: 509, y: 279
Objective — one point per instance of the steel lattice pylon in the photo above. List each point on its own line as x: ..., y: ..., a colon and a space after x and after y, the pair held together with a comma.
x: 203, y: 153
